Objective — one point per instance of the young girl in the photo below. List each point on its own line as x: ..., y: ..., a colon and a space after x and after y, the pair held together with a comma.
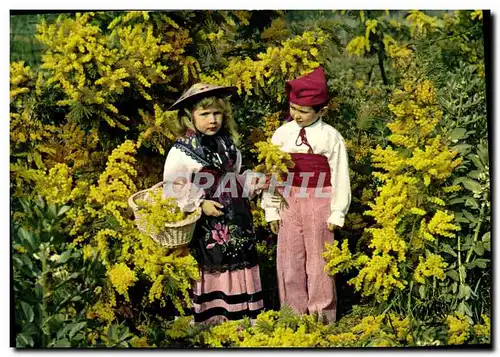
x: 318, y: 199
x: 198, y: 169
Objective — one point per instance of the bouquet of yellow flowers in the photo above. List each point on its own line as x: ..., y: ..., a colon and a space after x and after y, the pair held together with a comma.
x: 273, y: 161
x: 162, y: 218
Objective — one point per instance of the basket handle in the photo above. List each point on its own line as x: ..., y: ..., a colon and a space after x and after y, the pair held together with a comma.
x: 131, y: 202
x: 158, y: 185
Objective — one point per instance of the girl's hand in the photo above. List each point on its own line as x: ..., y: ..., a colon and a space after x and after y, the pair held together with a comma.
x: 331, y: 227
x: 209, y: 208
x: 275, y: 226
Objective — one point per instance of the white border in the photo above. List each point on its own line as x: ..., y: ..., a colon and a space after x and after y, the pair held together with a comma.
x: 213, y: 4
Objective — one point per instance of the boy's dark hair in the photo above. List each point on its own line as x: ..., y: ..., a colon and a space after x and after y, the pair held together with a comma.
x: 318, y: 107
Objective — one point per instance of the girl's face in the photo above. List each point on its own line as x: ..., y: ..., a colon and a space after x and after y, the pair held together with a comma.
x: 304, y: 115
x: 208, y: 120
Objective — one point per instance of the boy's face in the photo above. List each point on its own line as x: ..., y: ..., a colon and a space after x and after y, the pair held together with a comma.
x: 304, y: 115
x: 208, y: 120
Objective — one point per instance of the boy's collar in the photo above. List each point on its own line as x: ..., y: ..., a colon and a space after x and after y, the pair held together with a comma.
x: 307, y: 126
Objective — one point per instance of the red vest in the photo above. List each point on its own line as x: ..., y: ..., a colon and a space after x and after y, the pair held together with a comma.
x: 312, y: 163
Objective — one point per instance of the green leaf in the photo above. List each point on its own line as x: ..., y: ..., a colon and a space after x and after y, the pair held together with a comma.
x: 447, y: 249
x: 63, y: 210
x: 469, y: 216
x: 76, y: 327
x: 459, y: 218
x: 40, y: 203
x: 486, y: 237
x: 471, y: 202
x: 26, y: 205
x: 462, y: 291
x: 471, y: 185
x: 65, y: 281
x: 454, y: 287
x: 18, y: 263
x: 23, y: 340
x: 479, y: 248
x: 467, y: 292
x: 462, y: 149
x: 457, y: 200
x: 52, y: 211
x: 27, y: 311
x: 458, y: 134
x: 482, y: 263
x: 469, y: 240
x: 74, y: 275
x: 38, y: 291
x: 63, y: 258
x: 28, y: 237
x: 464, y: 309
x: 421, y: 291
x: 112, y: 333
x: 475, y: 159
x: 28, y: 264
x: 30, y: 329
x: 38, y: 159
x: 474, y: 174
x: 453, y: 274
x: 62, y: 331
x: 62, y: 343
x: 79, y: 336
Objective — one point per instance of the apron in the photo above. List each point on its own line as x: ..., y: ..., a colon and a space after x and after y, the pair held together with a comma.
x: 227, y: 242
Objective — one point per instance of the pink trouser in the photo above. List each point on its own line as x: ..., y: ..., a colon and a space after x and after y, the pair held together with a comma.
x: 302, y: 281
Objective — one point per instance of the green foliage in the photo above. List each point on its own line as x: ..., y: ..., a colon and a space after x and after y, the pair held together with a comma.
x: 463, y: 98
x: 52, y: 283
x: 361, y: 327
x: 448, y: 49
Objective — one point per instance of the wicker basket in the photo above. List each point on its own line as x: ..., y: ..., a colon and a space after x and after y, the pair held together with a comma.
x: 174, y: 234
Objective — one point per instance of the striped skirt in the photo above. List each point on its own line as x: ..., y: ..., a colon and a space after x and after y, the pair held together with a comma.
x: 229, y: 295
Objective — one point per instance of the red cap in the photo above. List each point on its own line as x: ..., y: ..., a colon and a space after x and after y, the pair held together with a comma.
x: 308, y: 90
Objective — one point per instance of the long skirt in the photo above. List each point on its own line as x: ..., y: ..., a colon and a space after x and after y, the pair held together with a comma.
x: 229, y: 295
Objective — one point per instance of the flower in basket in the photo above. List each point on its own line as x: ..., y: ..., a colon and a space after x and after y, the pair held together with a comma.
x: 155, y: 211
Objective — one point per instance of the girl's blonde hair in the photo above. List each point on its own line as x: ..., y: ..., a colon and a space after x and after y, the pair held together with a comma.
x: 184, y: 120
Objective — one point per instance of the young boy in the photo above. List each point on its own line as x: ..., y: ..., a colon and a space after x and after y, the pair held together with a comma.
x: 318, y: 199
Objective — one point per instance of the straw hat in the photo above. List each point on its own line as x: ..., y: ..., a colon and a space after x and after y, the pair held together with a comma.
x: 200, y: 90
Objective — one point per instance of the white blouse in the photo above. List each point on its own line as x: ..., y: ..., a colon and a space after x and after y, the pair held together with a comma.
x: 177, y: 174
x: 324, y: 140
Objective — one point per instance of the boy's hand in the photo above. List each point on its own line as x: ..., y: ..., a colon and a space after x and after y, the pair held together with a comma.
x: 268, y: 181
x: 275, y: 226
x: 331, y: 227
x: 209, y: 207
